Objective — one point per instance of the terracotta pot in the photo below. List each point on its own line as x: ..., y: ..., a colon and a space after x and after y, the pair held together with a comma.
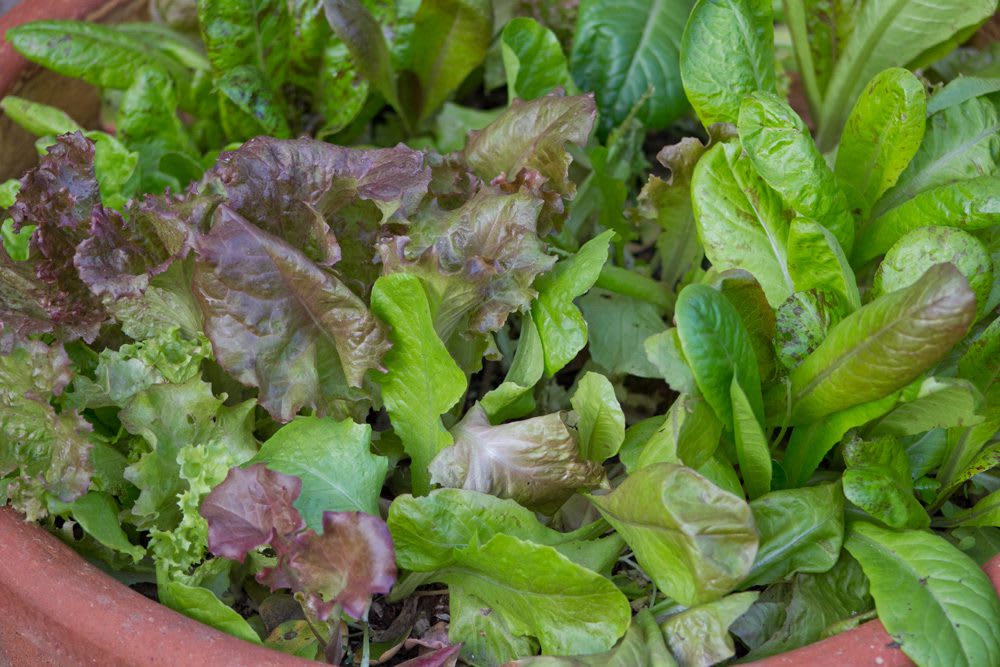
x: 19, y: 77
x: 57, y: 609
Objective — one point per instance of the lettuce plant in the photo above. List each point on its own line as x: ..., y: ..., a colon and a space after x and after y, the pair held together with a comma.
x: 304, y: 387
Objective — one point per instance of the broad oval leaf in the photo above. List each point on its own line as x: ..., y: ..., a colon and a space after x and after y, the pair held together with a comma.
x: 882, y: 135
x: 741, y: 220
x: 889, y: 33
x: 205, y: 607
x: 801, y: 530
x: 699, y: 636
x: 536, y: 462
x: 816, y: 261
x: 600, y: 420
x: 878, y: 481
x: 782, y: 151
x: 696, y: 541
x: 334, y: 463
x: 920, y: 581
x: 621, y: 50
x: 422, y: 381
x: 533, y: 59
x: 884, y: 346
x: 718, y: 349
x: 727, y: 52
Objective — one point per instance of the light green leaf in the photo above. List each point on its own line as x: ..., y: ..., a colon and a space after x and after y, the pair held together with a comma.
x: 966, y: 204
x: 422, y: 381
x: 617, y: 328
x: 202, y: 605
x: 699, y: 637
x: 801, y: 530
x: 816, y: 261
x: 924, y: 247
x: 334, y: 462
x: 696, y: 541
x: 97, y: 514
x: 689, y: 435
x: 960, y: 143
x: 248, y: 106
x: 623, y: 49
x: 747, y: 296
x: 752, y: 451
x: 920, y: 581
x: 533, y: 59
x: 810, y: 443
x: 642, y: 645
x: 936, y: 403
x: 238, y: 34
x: 961, y: 89
x: 984, y: 513
x: 883, y: 346
x: 454, y: 122
x: 600, y: 420
x: 560, y: 324
x: 741, y: 220
x: 718, y: 349
x: 889, y: 33
x: 727, y: 53
x: 448, y: 41
x: 881, y: 136
x: 39, y: 119
x: 782, y: 151
x: 878, y: 481
x: 513, y: 398
x: 664, y: 351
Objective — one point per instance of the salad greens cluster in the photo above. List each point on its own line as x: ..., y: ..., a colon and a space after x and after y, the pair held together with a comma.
x: 483, y: 380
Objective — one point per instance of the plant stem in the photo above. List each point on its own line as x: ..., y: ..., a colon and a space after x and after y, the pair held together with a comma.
x: 629, y: 283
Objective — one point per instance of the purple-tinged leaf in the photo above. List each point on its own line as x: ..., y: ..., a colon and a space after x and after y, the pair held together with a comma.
x: 250, y: 508
x: 446, y: 656
x: 536, y: 462
x: 352, y: 560
x: 287, y: 326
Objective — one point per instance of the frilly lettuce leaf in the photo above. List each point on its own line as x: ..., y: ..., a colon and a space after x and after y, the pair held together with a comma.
x: 345, y: 565
x: 45, y: 455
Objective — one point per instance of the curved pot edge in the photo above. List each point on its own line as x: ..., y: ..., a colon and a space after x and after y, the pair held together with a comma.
x: 58, y: 609
x: 867, y: 644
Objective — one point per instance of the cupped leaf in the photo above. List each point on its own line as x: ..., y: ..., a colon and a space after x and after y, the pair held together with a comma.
x: 878, y: 481
x: 741, y: 220
x: 882, y: 134
x: 621, y: 51
x: 696, y: 541
x: 801, y: 530
x: 97, y: 513
x: 689, y: 435
x: 727, y: 52
x: 290, y: 328
x: 513, y: 398
x: 560, y: 323
x: 600, y: 420
x: 533, y: 59
x: 919, y: 580
x: 782, y: 151
x: 718, y: 349
x: 333, y: 462
x: 537, y: 462
x: 883, y: 346
x: 699, y: 636
x: 924, y: 247
x: 422, y: 381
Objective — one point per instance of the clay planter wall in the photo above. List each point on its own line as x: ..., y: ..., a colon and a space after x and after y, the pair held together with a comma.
x: 57, y: 609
